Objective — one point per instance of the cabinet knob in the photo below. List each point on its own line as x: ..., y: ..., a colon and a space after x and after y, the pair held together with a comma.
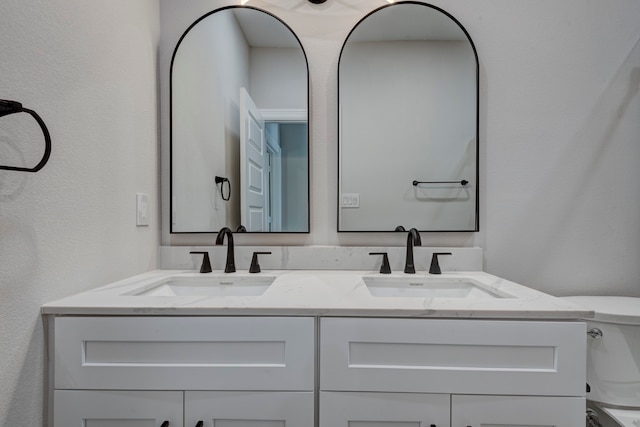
x: 165, y: 424
x: 200, y: 424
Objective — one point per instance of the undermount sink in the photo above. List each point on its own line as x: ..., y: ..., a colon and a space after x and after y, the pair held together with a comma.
x: 227, y: 285
x: 429, y: 287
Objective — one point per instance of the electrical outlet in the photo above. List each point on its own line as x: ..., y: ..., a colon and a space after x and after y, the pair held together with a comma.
x: 142, y: 209
x: 350, y: 200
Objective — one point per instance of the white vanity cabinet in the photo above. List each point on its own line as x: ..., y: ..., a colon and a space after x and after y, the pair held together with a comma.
x: 119, y: 371
x: 418, y: 372
x: 147, y: 371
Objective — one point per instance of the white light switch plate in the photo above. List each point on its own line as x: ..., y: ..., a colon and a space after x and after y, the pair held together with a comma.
x: 142, y: 209
x: 350, y: 200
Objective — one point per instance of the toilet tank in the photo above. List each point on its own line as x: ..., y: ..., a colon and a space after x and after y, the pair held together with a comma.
x: 613, y: 359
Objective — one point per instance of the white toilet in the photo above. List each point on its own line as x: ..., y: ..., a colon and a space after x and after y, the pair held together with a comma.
x: 613, y: 357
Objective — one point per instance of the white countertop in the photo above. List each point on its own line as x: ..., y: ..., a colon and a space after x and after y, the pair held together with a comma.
x: 319, y: 293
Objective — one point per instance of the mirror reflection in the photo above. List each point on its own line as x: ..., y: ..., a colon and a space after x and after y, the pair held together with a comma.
x: 239, y: 127
x: 408, y: 105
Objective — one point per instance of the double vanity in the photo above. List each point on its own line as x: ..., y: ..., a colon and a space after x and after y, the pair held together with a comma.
x: 332, y: 346
x: 321, y: 337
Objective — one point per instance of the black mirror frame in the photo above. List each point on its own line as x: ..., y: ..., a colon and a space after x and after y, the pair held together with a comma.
x: 173, y: 56
x: 477, y: 177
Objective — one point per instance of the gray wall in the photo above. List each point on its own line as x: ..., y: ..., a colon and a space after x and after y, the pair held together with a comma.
x: 559, y: 153
x: 89, y: 69
x: 408, y: 112
x: 559, y: 103
x: 210, y: 66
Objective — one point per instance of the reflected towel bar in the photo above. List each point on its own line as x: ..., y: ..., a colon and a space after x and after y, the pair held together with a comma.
x: 463, y: 182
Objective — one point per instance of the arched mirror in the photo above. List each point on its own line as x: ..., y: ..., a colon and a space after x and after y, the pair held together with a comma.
x: 408, y: 106
x: 239, y: 127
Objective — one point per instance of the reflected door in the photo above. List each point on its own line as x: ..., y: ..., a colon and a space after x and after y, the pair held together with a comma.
x: 253, y: 193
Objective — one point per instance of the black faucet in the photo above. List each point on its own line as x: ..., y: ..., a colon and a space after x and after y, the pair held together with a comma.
x: 230, y: 266
x: 413, y: 238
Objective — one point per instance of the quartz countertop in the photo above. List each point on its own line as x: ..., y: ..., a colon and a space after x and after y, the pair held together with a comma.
x: 319, y: 293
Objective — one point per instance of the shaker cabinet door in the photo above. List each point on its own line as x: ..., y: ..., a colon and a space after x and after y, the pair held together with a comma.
x: 453, y: 356
x: 507, y: 411
x: 184, y: 353
x: 248, y: 409
x: 117, y: 408
x: 352, y: 409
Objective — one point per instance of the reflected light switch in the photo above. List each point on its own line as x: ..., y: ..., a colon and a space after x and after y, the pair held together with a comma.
x: 350, y: 200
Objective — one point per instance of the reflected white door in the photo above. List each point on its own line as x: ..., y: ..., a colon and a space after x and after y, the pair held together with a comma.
x: 253, y: 188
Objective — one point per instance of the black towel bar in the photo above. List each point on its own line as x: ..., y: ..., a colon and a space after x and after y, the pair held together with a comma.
x: 463, y: 182
x: 11, y: 107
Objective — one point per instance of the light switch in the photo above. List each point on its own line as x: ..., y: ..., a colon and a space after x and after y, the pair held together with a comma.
x: 142, y: 209
x: 350, y: 200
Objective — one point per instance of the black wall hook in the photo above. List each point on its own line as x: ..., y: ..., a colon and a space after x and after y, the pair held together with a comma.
x: 12, y: 107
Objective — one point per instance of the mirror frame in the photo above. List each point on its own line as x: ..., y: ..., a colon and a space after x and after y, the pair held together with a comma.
x: 173, y: 57
x: 477, y: 94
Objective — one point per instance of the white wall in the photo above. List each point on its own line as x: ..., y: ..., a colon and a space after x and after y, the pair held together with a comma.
x: 559, y: 199
x: 89, y: 69
x: 278, y: 78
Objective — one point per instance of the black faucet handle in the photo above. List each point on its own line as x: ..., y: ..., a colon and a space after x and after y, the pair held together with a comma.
x: 385, y: 268
x: 435, y: 265
x: 255, y: 267
x: 206, y: 263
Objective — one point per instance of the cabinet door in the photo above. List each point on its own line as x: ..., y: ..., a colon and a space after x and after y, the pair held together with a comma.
x: 184, y: 353
x: 453, y: 356
x: 90, y: 408
x: 521, y: 411
x: 352, y: 409
x: 248, y: 409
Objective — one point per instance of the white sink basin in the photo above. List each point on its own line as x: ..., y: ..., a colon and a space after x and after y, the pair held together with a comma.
x: 222, y: 285
x: 429, y: 287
